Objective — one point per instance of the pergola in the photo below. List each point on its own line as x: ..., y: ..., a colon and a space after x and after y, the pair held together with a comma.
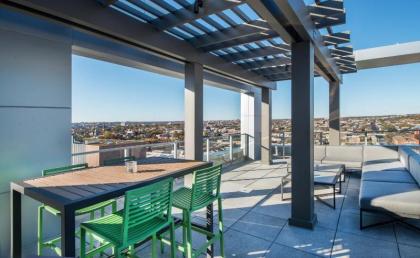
x: 243, y: 45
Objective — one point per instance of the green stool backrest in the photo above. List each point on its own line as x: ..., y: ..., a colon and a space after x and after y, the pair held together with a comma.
x: 118, y: 161
x: 206, y: 186
x: 146, y: 203
x: 53, y: 171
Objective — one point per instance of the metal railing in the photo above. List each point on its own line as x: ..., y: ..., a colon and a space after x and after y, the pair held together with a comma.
x: 220, y: 150
x: 378, y: 137
x: 225, y: 149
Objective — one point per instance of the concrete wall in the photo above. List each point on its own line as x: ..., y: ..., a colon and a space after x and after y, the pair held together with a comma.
x: 35, y: 112
x: 251, y: 122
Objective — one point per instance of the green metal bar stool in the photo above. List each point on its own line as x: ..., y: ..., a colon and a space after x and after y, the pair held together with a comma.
x: 52, y: 243
x: 204, y: 191
x: 147, y: 210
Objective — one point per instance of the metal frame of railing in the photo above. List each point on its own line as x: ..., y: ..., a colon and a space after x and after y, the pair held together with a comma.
x: 175, y: 147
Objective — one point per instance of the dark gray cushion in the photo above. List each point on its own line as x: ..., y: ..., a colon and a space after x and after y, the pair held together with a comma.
x: 390, y: 165
x: 414, y: 161
x: 397, y: 198
x: 377, y: 154
x: 397, y: 176
x: 404, y: 153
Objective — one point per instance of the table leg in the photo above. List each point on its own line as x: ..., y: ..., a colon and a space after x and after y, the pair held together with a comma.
x: 16, y: 221
x: 210, y: 249
x: 68, y: 245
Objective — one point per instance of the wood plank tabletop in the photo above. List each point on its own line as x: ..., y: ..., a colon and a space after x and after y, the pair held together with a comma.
x: 81, y: 188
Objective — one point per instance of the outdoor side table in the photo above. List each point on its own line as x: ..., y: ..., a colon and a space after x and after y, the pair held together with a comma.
x: 329, y: 175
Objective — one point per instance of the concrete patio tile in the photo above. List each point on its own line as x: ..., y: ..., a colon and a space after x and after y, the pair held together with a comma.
x: 349, y: 223
x: 256, y: 174
x: 245, y: 202
x: 238, y: 244
x: 274, y: 206
x: 277, y: 251
x: 352, y: 245
x: 263, y: 226
x: 328, y: 219
x: 265, y: 183
x: 408, y: 251
x: 351, y: 203
x: 230, y: 175
x: 230, y: 216
x: 407, y: 235
x: 354, y: 183
x: 317, y: 241
x: 234, y: 186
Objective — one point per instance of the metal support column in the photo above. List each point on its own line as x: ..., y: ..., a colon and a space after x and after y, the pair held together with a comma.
x: 334, y: 120
x: 302, y: 135
x: 266, y: 156
x: 193, y: 127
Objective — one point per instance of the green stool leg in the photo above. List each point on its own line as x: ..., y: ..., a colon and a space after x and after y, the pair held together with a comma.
x: 154, y: 240
x: 162, y: 247
x: 220, y: 212
x: 82, y: 243
x: 40, y: 231
x: 92, y: 216
x: 189, y: 235
x: 184, y: 232
x: 173, y: 242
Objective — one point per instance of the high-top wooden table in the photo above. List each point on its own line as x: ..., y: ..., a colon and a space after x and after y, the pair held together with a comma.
x: 74, y: 190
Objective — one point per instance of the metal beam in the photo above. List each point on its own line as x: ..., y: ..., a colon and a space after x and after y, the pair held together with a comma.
x: 107, y: 2
x: 240, y: 41
x: 399, y: 54
x: 187, y: 15
x: 336, y: 38
x: 259, y: 52
x: 291, y: 20
x: 231, y: 33
x: 260, y: 64
x: 94, y: 18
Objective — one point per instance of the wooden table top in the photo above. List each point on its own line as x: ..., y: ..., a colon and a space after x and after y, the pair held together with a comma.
x: 101, y: 183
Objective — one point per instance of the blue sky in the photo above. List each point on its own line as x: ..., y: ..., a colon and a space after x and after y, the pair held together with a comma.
x: 109, y: 92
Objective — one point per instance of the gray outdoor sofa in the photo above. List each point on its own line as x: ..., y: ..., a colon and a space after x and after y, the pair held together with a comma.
x: 350, y: 156
x: 390, y: 177
x: 390, y: 185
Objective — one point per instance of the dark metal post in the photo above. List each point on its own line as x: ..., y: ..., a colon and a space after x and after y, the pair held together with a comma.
x: 302, y: 135
x: 68, y: 246
x: 334, y: 119
x: 193, y: 126
x: 209, y: 225
x: 16, y: 221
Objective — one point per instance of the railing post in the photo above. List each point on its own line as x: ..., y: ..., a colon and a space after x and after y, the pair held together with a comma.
x: 230, y: 147
x: 208, y: 149
x: 366, y: 141
x: 175, y: 150
x: 276, y: 150
x: 126, y: 152
x: 283, y: 142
